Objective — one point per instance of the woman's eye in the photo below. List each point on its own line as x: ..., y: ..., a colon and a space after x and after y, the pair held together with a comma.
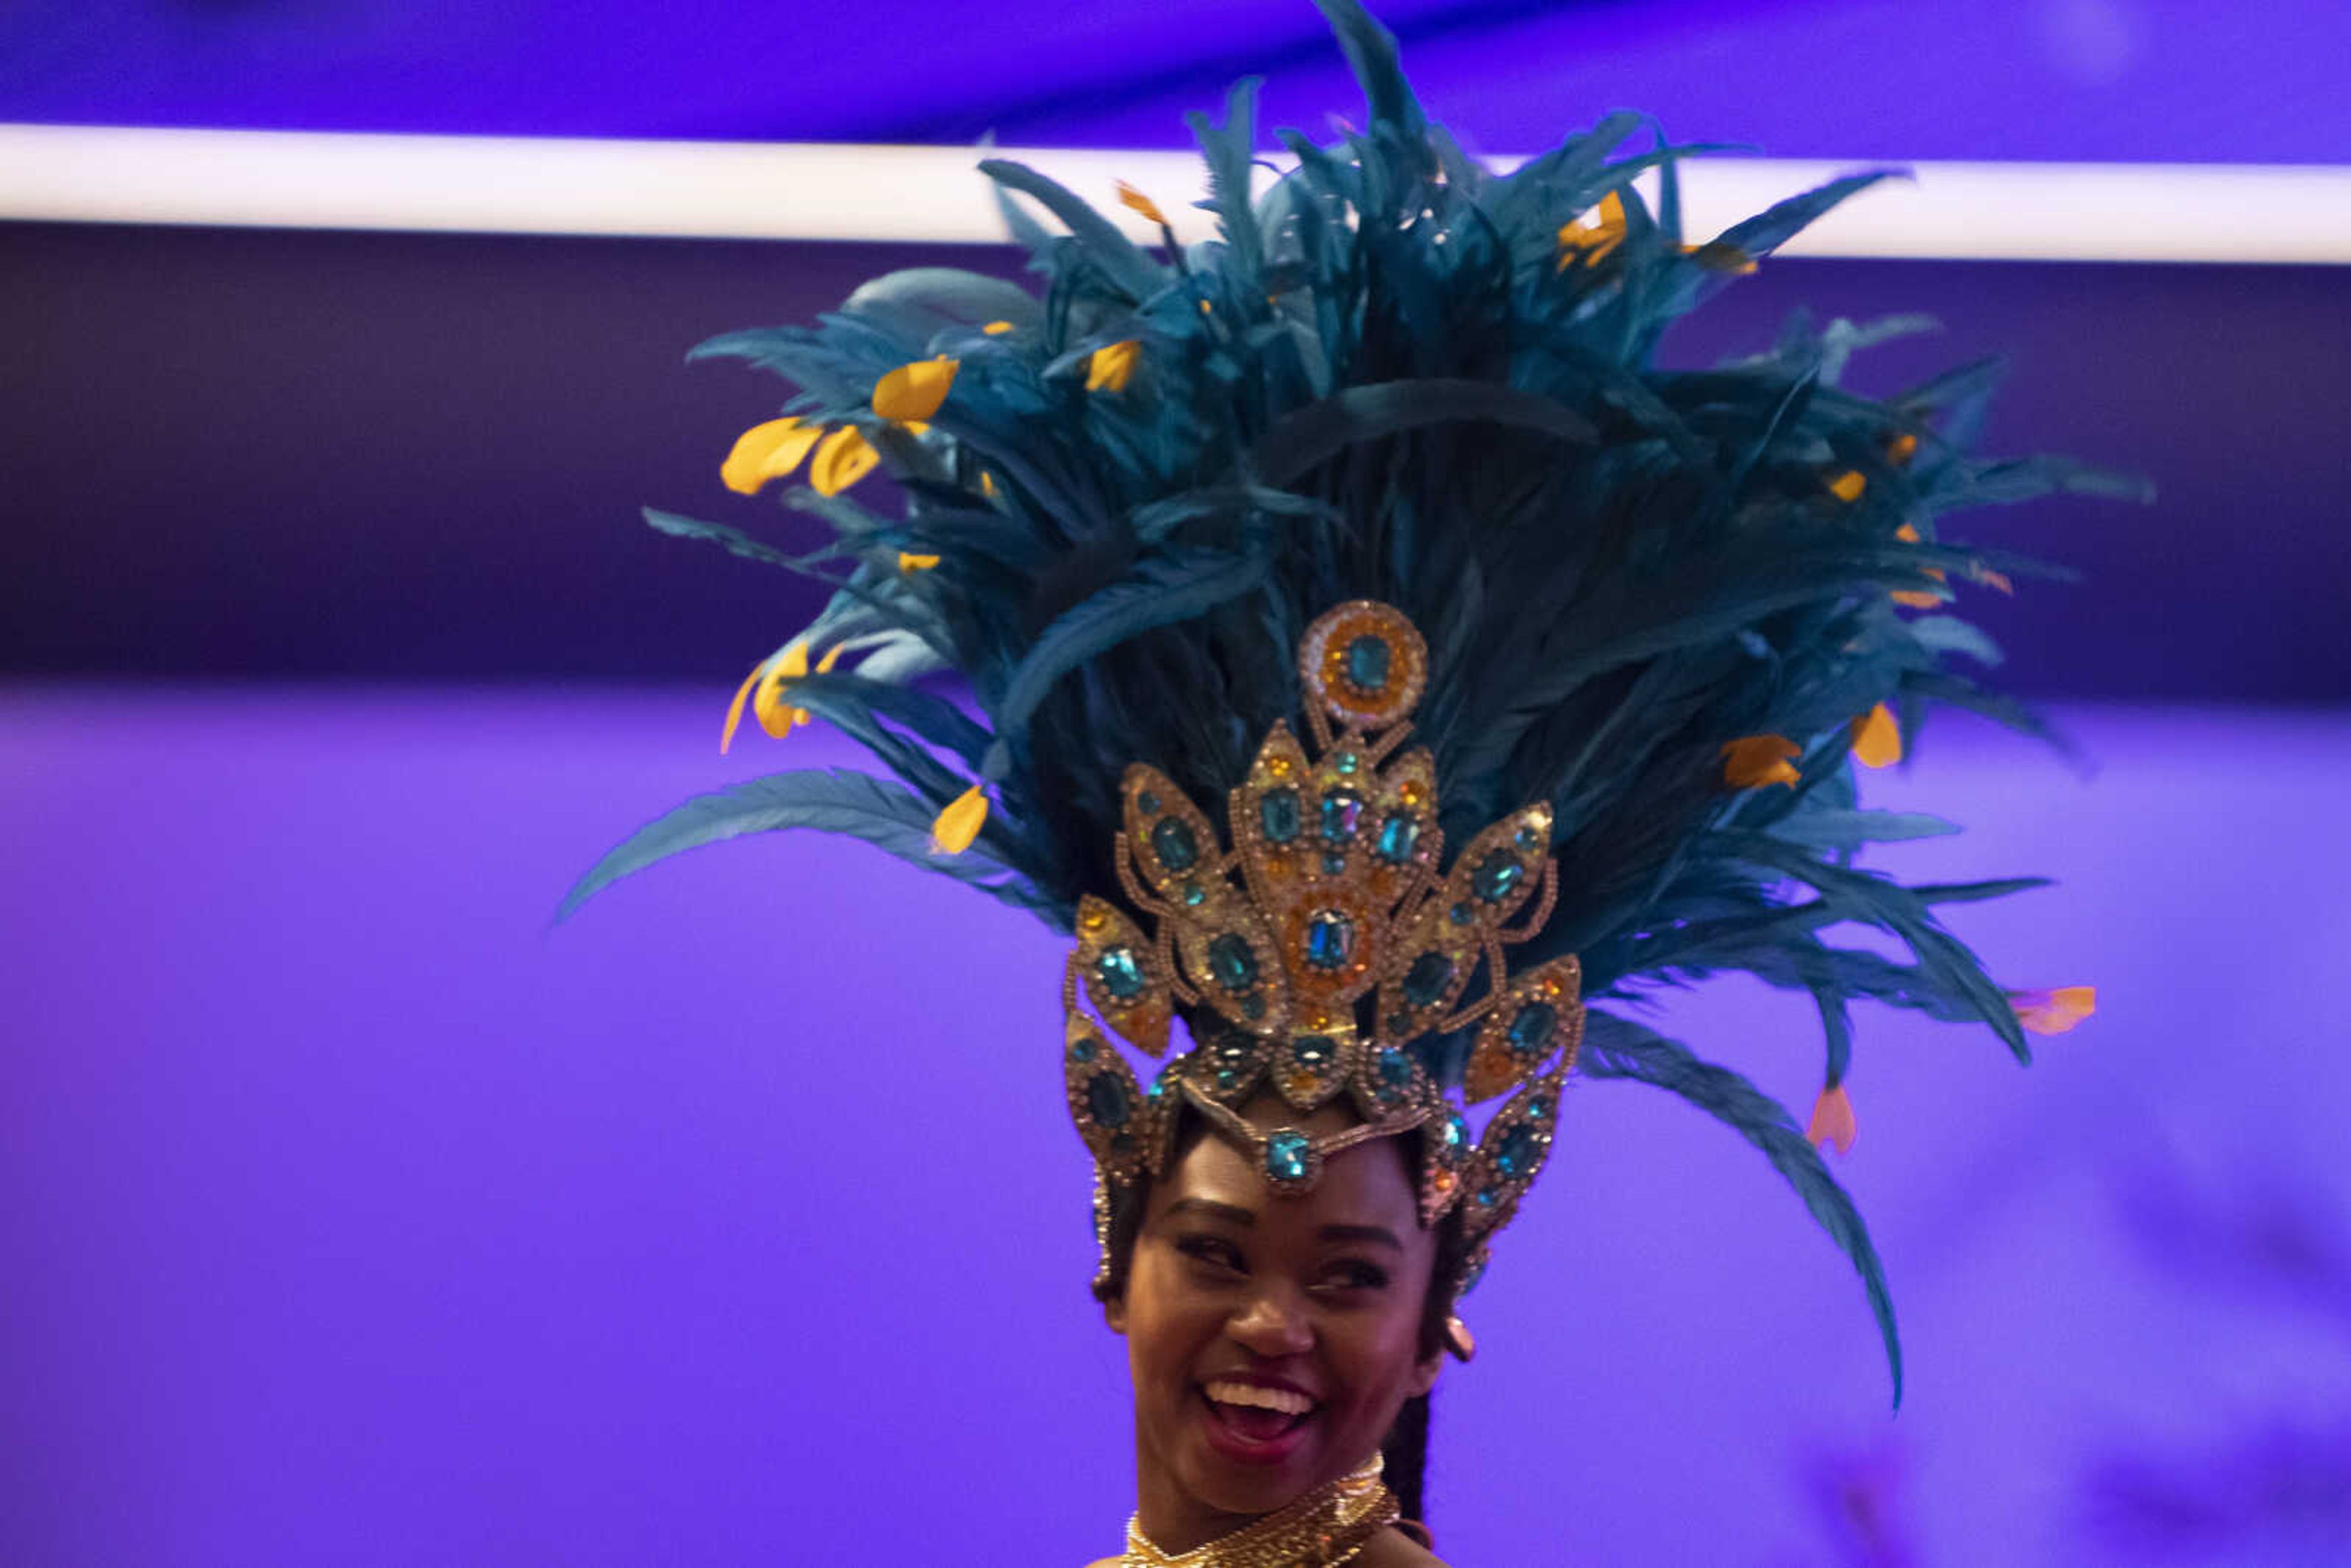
x: 1354, y: 1276
x: 1211, y: 1251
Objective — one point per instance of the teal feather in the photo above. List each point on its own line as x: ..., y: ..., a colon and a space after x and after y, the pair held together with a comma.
x: 1617, y: 1048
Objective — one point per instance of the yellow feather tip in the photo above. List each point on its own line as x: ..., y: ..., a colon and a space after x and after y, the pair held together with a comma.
x: 1759, y: 759
x: 1112, y: 366
x: 735, y: 708
x: 2054, y: 1011
x: 909, y: 562
x: 955, y: 828
x: 1832, y: 1120
x: 841, y: 459
x: 914, y: 392
x: 767, y: 452
x: 1877, y: 738
x: 1135, y: 200
x: 1848, y: 485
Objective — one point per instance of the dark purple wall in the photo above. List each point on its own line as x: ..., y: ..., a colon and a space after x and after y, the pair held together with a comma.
x: 270, y: 452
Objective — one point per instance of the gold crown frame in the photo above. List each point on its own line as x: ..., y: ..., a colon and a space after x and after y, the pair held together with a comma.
x: 1329, y: 899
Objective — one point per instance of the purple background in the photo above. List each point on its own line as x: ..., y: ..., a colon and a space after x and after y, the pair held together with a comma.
x: 357, y: 1219
x: 2164, y: 80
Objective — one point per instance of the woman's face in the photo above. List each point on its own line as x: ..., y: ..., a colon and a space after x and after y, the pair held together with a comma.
x: 1272, y: 1340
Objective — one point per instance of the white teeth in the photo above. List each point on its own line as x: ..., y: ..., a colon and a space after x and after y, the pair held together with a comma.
x: 1279, y: 1400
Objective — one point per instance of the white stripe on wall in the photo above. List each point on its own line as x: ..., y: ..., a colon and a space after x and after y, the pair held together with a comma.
x: 2043, y: 212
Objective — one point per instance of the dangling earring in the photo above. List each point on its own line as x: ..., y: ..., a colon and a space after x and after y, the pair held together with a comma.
x: 1458, y: 1338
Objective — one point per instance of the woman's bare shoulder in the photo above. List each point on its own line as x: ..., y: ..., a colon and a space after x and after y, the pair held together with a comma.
x: 1104, y: 1563
x: 1394, y: 1549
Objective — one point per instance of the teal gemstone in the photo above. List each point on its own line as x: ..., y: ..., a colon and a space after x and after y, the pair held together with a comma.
x: 1531, y: 1030
x: 1286, y: 1154
x: 1538, y: 1108
x: 1340, y: 814
x: 1312, y: 1051
x: 1173, y: 842
x: 1107, y: 1099
x: 1332, y: 865
x: 1329, y: 939
x: 1457, y: 1130
x: 1227, y: 1080
x: 1426, y: 979
x: 1081, y: 1050
x: 1489, y: 1196
x: 1495, y: 877
x: 1398, y: 835
x: 1394, y: 1067
x: 1345, y: 761
x: 1194, y: 894
x: 1526, y: 838
x: 1148, y: 803
x: 1277, y: 815
x: 1121, y: 976
x: 1231, y: 962
x: 1367, y: 663
x: 1520, y: 1151
x: 1461, y: 915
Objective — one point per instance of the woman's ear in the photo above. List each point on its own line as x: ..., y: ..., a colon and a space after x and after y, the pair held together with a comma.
x: 1425, y: 1371
x: 1114, y: 1312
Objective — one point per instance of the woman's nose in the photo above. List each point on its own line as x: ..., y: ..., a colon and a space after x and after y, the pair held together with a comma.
x: 1273, y: 1323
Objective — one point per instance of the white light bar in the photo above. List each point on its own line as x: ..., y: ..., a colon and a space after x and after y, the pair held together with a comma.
x: 2037, y: 212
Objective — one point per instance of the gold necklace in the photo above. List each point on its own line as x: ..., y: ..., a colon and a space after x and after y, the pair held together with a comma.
x: 1328, y: 1526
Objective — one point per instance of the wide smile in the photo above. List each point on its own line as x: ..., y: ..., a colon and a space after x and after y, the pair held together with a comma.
x: 1254, y: 1424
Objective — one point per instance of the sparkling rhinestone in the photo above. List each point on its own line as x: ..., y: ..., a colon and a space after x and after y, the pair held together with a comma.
x: 1461, y: 915
x: 1345, y: 761
x: 1107, y: 1099
x: 1526, y: 838
x: 1340, y: 813
x: 1232, y: 963
x: 1329, y: 939
x: 1227, y: 1080
x: 1286, y: 1154
x: 1121, y: 976
x: 1173, y: 842
x: 1520, y: 1151
x: 1277, y: 815
x: 1398, y: 835
x: 1311, y: 1050
x: 1425, y: 981
x: 1148, y: 803
x: 1457, y: 1130
x: 1495, y: 877
x: 1530, y: 1029
x: 1081, y: 1050
x: 1367, y: 663
x: 1194, y: 894
x: 1487, y: 1196
x: 1394, y: 1067
x: 1332, y: 865
x: 1538, y: 1108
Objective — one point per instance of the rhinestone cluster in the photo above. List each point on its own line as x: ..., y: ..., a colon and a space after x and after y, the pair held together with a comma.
x: 1330, y: 908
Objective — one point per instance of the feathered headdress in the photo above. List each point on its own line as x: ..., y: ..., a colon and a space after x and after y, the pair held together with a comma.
x: 1669, y: 609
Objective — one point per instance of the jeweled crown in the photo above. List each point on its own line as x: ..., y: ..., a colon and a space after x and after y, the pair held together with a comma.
x: 1317, y: 950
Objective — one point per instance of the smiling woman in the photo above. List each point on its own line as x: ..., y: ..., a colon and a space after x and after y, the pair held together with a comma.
x: 1231, y: 524
x: 1274, y: 1340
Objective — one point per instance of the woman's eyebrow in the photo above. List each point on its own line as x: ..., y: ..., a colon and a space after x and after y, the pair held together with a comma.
x: 1380, y: 1234
x: 1208, y: 1208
